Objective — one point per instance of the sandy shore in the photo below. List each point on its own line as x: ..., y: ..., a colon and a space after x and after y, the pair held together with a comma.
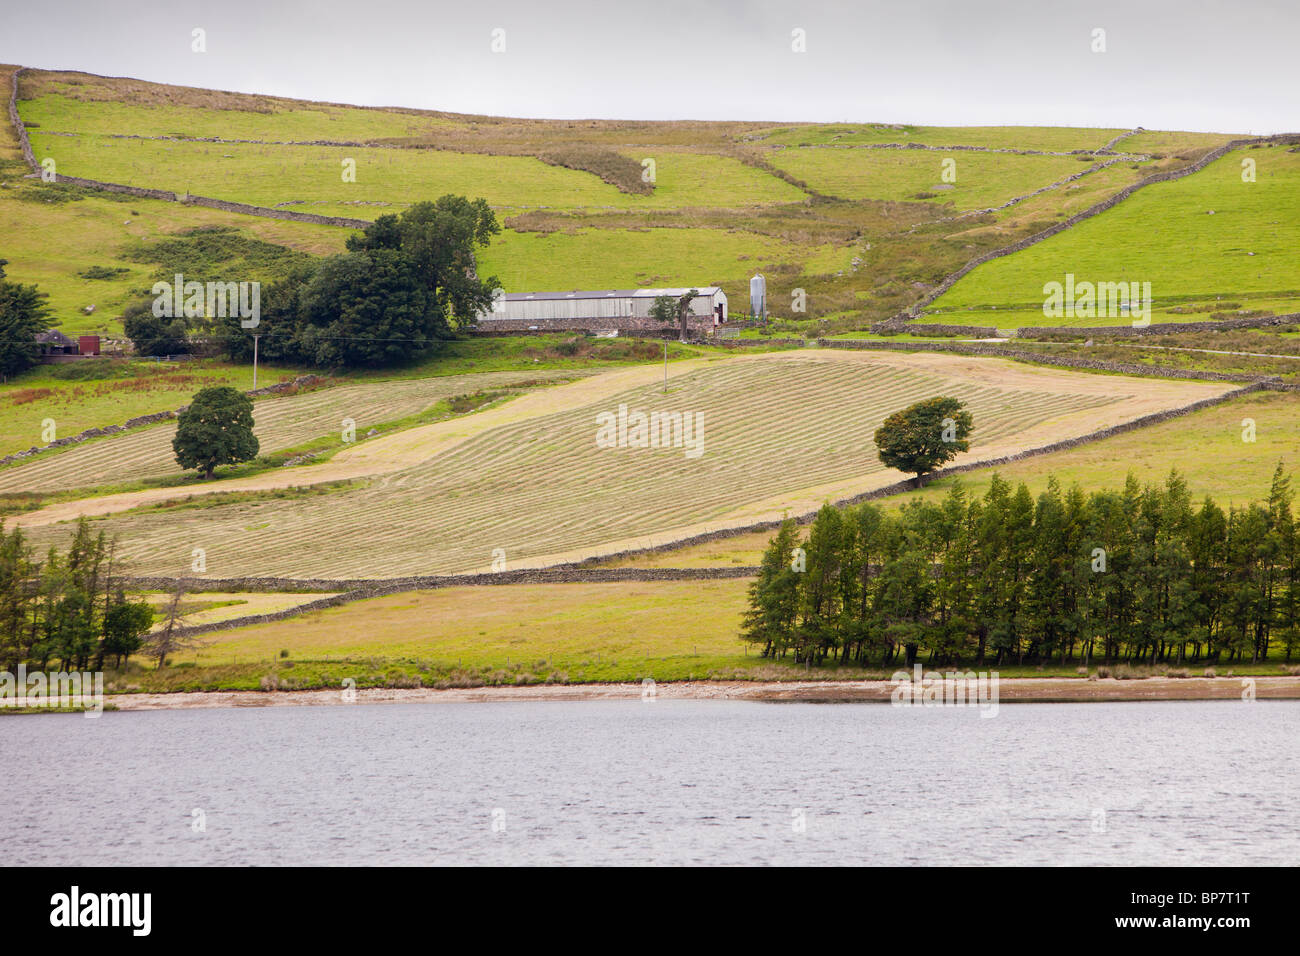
x: 1023, y: 690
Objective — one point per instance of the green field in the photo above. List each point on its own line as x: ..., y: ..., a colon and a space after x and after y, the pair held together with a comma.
x: 92, y: 106
x: 1052, y: 139
x: 983, y: 180
x: 101, y: 227
x: 625, y: 258
x: 585, y: 631
x: 1165, y: 234
x: 309, y: 178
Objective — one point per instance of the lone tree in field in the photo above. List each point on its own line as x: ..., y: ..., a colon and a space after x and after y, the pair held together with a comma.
x: 924, y: 436
x: 668, y: 309
x: 217, y: 429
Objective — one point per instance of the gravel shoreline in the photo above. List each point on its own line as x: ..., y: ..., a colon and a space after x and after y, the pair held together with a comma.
x: 1022, y: 690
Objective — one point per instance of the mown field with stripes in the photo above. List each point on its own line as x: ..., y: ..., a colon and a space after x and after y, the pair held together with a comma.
x: 781, y: 432
x: 279, y: 423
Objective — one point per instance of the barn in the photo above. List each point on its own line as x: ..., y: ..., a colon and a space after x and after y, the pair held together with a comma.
x: 598, y: 311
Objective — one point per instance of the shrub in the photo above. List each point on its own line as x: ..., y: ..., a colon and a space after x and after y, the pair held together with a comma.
x: 103, y: 272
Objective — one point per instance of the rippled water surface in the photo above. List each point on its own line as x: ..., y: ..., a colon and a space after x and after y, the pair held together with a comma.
x: 662, y: 782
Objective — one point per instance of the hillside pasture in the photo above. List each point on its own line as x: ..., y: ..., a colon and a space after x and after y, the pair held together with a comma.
x: 1046, y: 138
x: 983, y: 180
x: 636, y: 258
x: 1204, y: 237
x: 310, y: 178
x: 88, y: 106
x: 96, y: 228
x: 782, y: 432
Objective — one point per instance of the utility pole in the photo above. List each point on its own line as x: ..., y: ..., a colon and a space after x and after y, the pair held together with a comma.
x: 665, y: 366
x: 256, y: 336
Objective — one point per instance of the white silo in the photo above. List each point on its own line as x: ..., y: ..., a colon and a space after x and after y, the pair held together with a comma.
x: 758, y: 296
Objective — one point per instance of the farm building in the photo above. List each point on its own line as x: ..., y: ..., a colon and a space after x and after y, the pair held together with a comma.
x: 596, y: 311
x: 54, y: 342
x: 57, y: 347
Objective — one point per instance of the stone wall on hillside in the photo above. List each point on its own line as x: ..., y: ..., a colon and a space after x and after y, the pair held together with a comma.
x: 928, y: 328
x: 1217, y: 153
x: 163, y: 194
x: 1163, y: 328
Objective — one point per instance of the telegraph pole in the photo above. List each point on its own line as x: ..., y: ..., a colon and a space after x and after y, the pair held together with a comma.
x: 256, y: 336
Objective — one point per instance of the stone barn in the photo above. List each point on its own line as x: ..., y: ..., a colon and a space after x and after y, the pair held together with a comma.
x: 624, y: 310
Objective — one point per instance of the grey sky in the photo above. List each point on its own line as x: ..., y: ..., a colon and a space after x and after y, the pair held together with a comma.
x: 1223, y: 65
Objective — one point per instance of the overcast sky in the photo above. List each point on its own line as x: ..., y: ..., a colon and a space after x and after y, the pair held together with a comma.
x: 1222, y: 65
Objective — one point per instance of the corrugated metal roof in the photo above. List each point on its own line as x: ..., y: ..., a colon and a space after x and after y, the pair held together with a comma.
x: 604, y: 294
x: 53, y: 337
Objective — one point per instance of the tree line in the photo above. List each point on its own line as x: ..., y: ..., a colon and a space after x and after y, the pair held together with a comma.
x: 69, y: 609
x: 1141, y: 575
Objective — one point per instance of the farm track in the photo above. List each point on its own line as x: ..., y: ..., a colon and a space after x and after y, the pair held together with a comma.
x: 782, y: 432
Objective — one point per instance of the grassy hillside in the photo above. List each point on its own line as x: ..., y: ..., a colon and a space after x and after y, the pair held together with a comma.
x: 1208, y: 243
x: 1062, y: 138
x: 983, y: 180
x: 846, y: 226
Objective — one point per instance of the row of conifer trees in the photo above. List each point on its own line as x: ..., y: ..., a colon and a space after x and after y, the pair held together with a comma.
x: 1140, y: 574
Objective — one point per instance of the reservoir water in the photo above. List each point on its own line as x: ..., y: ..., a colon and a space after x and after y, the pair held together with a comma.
x: 606, y: 782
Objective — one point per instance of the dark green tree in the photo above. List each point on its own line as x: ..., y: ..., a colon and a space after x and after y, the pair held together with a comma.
x: 440, y: 240
x: 125, y: 626
x: 23, y: 316
x: 155, y: 335
x: 921, y: 437
x: 774, y: 595
x: 216, y: 429
x: 368, y: 309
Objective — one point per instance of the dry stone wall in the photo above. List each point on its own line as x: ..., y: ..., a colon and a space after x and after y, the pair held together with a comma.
x: 1163, y: 328
x: 162, y: 194
x: 899, y: 321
